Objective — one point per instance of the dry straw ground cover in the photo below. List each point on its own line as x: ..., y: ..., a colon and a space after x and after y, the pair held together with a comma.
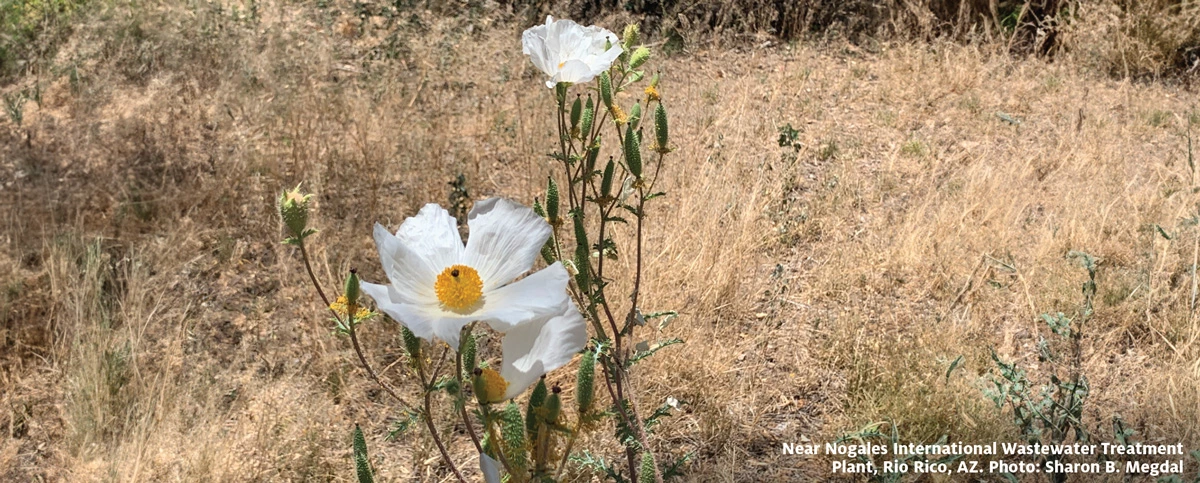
x: 918, y: 209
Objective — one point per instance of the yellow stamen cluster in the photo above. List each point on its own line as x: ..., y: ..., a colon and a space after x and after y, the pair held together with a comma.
x: 339, y: 306
x: 618, y: 114
x: 459, y: 288
x: 652, y: 94
x: 490, y: 386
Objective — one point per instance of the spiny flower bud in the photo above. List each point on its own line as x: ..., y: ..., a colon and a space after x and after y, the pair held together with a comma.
x: 646, y: 472
x: 633, y: 152
x: 585, y: 121
x: 412, y: 344
x: 635, y: 115
x: 469, y: 351
x: 512, y: 434
x: 553, y: 407
x: 607, y: 180
x: 536, y: 399
x: 552, y: 203
x: 590, y: 162
x: 582, y: 262
x: 631, y: 36
x: 661, y: 132
x: 293, y: 209
x: 489, y: 386
x: 584, y: 382
x: 606, y: 90
x: 639, y: 57
x: 576, y: 112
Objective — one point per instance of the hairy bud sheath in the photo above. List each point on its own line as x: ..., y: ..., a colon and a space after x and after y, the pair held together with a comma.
x: 633, y: 152
x: 585, y: 382
x: 661, y: 132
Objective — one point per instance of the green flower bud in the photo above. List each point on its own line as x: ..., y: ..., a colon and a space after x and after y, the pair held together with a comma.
x: 552, y: 202
x: 646, y: 472
x: 631, y: 37
x: 589, y: 163
x: 585, y: 121
x: 293, y: 209
x: 582, y: 260
x: 552, y: 408
x: 352, y: 292
x: 361, y: 462
x: 607, y: 181
x: 661, y: 134
x: 585, y: 383
x: 606, y: 90
x: 633, y: 152
x: 512, y: 434
x: 576, y: 112
x: 536, y: 399
x: 537, y: 208
x: 469, y: 351
x: 635, y: 115
x: 639, y: 57
x: 412, y: 344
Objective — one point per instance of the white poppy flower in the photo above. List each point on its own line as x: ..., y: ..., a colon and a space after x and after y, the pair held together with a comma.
x: 534, y: 349
x: 569, y: 52
x: 438, y: 285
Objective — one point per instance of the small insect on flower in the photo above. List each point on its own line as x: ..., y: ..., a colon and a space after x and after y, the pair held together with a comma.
x: 438, y: 284
x: 569, y: 52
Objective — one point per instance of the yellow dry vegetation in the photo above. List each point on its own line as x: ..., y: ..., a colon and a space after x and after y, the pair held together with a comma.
x: 154, y: 328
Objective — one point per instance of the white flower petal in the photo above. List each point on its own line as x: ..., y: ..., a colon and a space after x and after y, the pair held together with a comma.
x: 505, y: 240
x: 411, y: 275
x: 555, y: 44
x: 433, y: 236
x: 490, y: 469
x: 389, y: 302
x: 541, y: 294
x: 534, y: 349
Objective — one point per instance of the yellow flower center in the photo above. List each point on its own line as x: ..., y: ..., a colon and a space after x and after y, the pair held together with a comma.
x: 459, y: 288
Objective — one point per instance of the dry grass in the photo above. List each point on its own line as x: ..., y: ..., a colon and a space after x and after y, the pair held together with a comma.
x: 154, y: 329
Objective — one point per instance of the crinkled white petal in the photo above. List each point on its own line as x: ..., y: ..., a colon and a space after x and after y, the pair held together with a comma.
x: 556, y: 44
x: 433, y: 235
x: 505, y: 240
x: 490, y: 469
x: 411, y: 276
x: 388, y: 301
x: 534, y: 349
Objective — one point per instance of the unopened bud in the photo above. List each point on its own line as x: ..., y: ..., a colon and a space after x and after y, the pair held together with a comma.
x: 606, y: 90
x: 661, y: 132
x: 633, y: 152
x: 585, y: 121
x: 631, y: 37
x: 639, y: 57
x: 293, y: 209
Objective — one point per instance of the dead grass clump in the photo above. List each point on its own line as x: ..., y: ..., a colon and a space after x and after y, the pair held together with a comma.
x: 1137, y: 39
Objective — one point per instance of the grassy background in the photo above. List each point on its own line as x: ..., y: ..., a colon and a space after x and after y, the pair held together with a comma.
x: 152, y: 328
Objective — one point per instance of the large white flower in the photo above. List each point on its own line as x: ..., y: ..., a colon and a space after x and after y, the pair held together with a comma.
x: 569, y: 52
x: 438, y: 285
x: 534, y: 349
